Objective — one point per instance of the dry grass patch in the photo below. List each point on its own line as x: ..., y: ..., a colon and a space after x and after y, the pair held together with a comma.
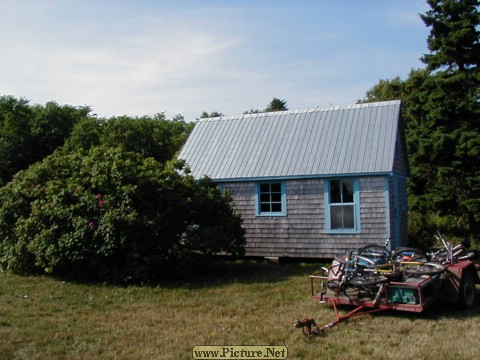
x: 237, y: 304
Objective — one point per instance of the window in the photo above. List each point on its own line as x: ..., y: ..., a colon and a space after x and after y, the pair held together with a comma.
x: 271, y: 199
x: 342, y: 206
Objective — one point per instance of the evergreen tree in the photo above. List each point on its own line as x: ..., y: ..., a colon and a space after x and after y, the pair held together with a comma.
x: 453, y: 39
x: 443, y: 114
x: 276, y: 105
x: 213, y: 114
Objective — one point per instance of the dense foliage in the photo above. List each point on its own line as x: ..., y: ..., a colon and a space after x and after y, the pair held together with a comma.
x: 154, y: 136
x: 28, y: 133
x: 111, y: 214
x: 104, y: 198
x: 442, y: 114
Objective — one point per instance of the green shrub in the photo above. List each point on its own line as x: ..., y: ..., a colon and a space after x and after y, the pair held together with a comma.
x: 113, y: 215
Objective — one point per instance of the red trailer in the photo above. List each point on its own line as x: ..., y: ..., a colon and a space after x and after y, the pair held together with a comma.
x: 374, y: 279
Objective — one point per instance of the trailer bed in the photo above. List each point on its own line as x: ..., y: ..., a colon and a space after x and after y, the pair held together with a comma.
x: 414, y: 295
x: 375, y: 279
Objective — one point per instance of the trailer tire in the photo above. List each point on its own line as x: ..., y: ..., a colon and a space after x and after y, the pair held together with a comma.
x: 467, y: 297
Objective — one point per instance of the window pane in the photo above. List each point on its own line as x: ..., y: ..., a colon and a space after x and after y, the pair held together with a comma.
x: 348, y: 217
x: 264, y: 188
x: 341, y: 191
x: 265, y: 207
x: 347, y: 190
x: 276, y: 207
x: 276, y: 197
x: 342, y: 217
x: 277, y: 187
x: 336, y: 217
x: 265, y: 198
x: 335, y: 194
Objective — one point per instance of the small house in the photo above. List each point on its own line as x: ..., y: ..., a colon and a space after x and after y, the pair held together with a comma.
x: 309, y: 183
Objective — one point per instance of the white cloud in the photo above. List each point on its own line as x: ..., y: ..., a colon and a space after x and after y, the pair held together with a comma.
x: 112, y: 75
x: 150, y: 57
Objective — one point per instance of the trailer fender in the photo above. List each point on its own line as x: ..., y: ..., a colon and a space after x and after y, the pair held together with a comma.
x: 467, y: 298
x: 454, y: 280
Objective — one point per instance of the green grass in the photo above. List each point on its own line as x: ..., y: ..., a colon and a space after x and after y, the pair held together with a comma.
x: 236, y: 304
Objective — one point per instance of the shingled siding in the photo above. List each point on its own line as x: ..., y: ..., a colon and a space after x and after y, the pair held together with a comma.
x: 302, y: 232
x: 373, y: 214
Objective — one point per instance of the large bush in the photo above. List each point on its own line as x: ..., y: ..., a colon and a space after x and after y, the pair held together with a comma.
x: 112, y: 214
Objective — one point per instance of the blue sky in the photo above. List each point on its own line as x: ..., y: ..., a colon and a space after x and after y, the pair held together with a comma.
x: 142, y: 57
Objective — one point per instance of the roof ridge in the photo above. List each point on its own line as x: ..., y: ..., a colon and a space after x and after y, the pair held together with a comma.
x: 302, y: 111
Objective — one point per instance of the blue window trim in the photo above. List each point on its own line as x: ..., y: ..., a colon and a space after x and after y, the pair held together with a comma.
x: 283, y: 197
x: 356, y: 204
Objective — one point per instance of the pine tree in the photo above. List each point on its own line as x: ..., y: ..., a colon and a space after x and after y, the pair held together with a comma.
x: 453, y: 39
x: 444, y: 119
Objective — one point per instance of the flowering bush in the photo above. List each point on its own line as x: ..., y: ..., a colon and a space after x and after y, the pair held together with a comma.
x: 113, y: 215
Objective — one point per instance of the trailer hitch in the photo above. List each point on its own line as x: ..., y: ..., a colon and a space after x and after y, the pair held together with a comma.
x: 309, y: 326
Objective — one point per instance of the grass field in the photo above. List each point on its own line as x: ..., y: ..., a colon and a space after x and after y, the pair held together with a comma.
x: 236, y: 304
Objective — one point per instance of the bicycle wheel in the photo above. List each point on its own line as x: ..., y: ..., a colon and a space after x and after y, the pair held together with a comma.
x: 344, y: 258
x: 366, y: 280
x: 408, y: 254
x: 378, y: 253
x: 429, y: 268
x: 364, y: 261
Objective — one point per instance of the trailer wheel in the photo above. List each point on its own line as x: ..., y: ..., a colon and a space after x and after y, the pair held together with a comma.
x: 467, y: 297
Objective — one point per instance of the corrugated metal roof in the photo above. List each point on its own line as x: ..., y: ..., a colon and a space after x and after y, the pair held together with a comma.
x: 356, y: 139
